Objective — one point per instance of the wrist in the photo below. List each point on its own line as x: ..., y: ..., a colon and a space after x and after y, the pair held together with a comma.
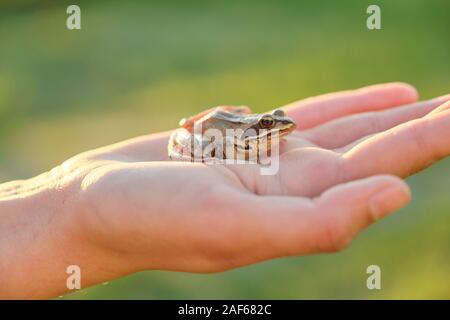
x: 40, y: 237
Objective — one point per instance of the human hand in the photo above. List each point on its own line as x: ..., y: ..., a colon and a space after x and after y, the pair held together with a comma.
x: 134, y: 210
x: 226, y: 216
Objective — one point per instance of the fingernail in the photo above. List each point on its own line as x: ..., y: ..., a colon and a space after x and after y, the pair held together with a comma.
x: 389, y: 200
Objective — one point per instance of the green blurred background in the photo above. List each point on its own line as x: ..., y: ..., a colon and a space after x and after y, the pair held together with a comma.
x: 139, y: 66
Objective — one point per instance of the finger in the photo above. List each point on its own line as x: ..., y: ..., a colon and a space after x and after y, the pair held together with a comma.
x: 154, y: 147
x: 352, y: 145
x: 285, y: 226
x: 403, y: 150
x: 313, y: 111
x: 343, y: 131
x: 443, y: 107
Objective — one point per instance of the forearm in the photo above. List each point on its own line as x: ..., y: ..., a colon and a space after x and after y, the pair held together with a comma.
x: 39, y: 239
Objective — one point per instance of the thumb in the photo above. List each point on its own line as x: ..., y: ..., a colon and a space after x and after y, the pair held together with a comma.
x: 295, y: 226
x: 349, y: 208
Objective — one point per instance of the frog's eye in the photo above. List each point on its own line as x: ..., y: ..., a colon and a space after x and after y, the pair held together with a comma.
x: 266, y: 122
x: 279, y: 113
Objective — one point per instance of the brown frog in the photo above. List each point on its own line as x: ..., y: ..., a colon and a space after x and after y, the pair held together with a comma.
x: 228, y: 132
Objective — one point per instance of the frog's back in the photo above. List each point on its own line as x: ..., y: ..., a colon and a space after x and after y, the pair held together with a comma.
x: 220, y: 112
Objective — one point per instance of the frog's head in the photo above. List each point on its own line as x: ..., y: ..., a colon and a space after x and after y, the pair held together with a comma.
x: 260, y: 130
x: 265, y: 125
x: 276, y: 121
x: 247, y: 133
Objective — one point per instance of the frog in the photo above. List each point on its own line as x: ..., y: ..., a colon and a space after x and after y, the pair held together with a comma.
x: 229, y: 133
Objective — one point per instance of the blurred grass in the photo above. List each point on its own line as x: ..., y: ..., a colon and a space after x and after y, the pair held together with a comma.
x: 139, y: 66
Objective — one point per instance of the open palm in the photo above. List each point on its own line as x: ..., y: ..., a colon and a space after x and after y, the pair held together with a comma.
x: 336, y: 176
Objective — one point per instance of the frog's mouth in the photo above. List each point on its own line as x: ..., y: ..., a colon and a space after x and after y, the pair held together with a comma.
x: 264, y: 135
x: 255, y: 142
x: 262, y: 139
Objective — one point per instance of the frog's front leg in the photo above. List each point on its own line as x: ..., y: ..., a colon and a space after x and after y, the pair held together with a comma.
x: 213, y: 149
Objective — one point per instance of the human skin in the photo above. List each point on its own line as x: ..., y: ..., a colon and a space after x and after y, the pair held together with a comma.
x: 126, y: 208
